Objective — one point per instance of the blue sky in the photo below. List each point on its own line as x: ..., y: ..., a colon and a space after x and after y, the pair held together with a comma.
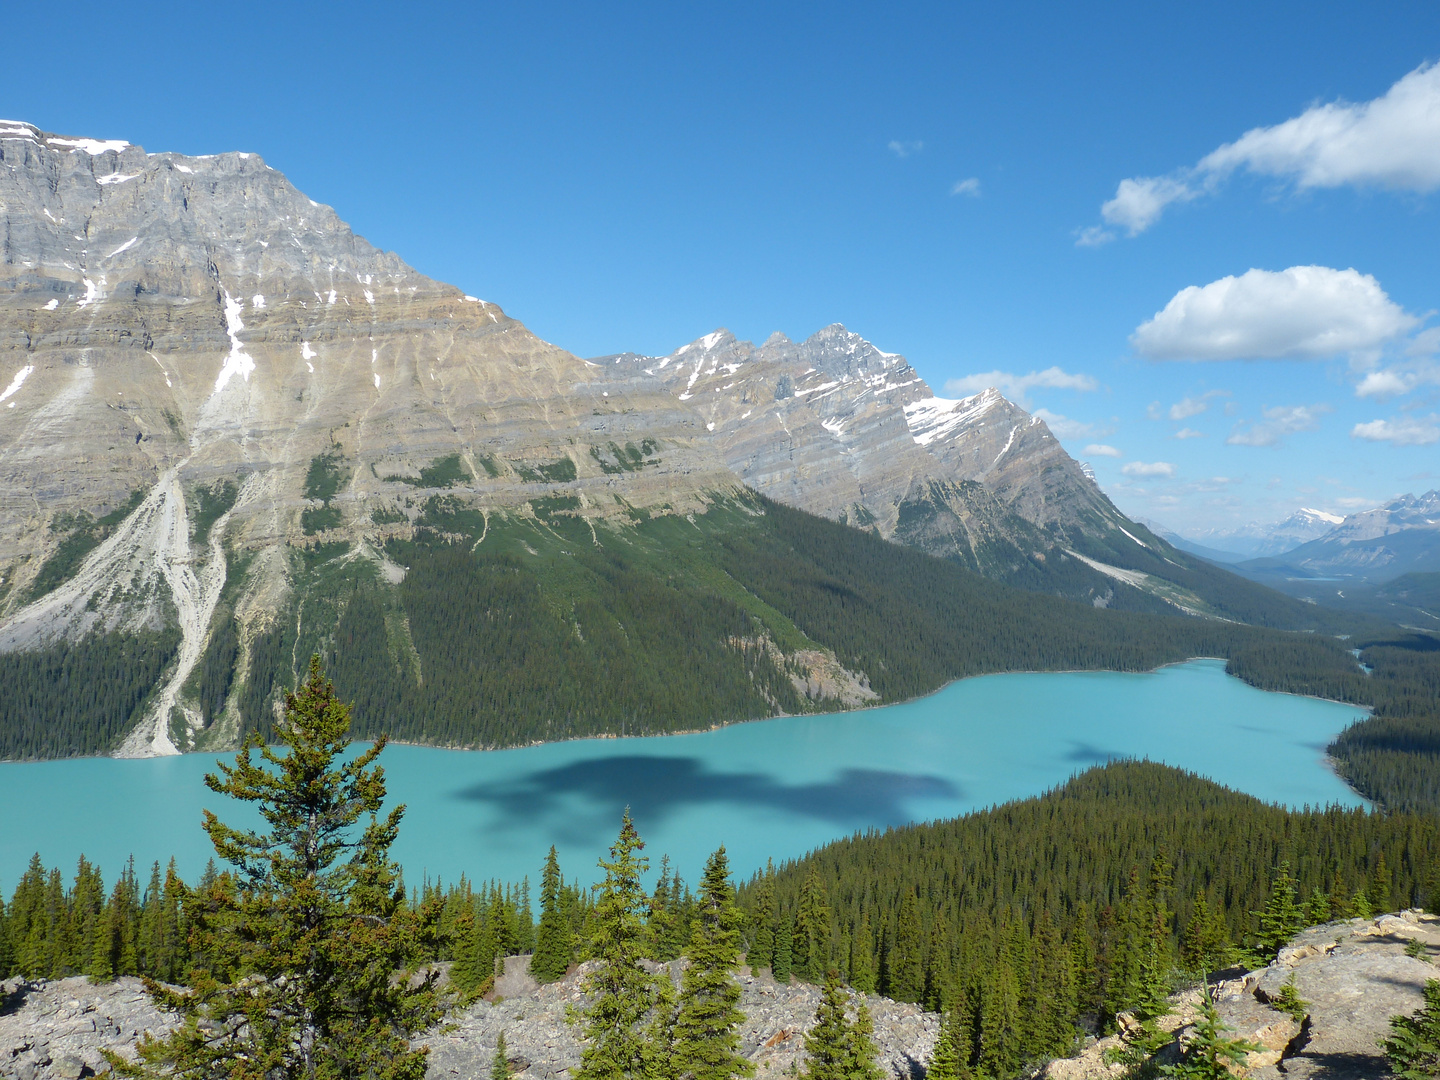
x: 943, y: 179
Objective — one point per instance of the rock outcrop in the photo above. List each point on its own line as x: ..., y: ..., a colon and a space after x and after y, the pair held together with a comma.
x: 836, y: 426
x: 1353, y: 976
x: 58, y: 1029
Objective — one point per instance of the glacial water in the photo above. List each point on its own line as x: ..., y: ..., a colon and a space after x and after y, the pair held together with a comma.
x: 769, y: 789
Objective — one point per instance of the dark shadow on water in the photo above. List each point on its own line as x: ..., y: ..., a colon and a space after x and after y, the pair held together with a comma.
x: 1085, y: 754
x: 656, y: 787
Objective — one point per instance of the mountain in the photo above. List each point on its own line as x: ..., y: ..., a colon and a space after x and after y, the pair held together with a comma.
x: 233, y: 434
x: 1257, y: 540
x: 839, y: 428
x: 1401, y: 537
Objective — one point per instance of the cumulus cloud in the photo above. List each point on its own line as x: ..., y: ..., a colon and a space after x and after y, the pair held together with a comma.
x: 970, y: 187
x: 905, y: 148
x: 1016, y: 387
x: 1188, y: 407
x: 1189, y: 433
x: 1063, y: 427
x: 1139, y: 203
x: 1303, y: 313
x: 1391, y: 142
x: 1148, y: 468
x: 1398, y: 379
x: 1401, y: 431
x: 1101, y: 450
x: 1278, y: 422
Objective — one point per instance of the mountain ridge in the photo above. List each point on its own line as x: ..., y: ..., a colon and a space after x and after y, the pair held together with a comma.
x: 234, y: 430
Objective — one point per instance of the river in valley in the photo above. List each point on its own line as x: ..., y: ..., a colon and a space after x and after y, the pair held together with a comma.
x: 768, y: 789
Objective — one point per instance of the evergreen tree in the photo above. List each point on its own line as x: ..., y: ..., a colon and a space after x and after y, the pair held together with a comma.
x: 552, y: 944
x: 660, y: 916
x: 1204, y: 946
x: 811, y: 943
x: 860, y: 1054
x: 1282, y: 917
x: 862, y: 957
x: 1378, y: 889
x: 946, y: 1060
x: 1317, y: 910
x: 1000, y: 1022
x: 1414, y: 1044
x: 474, y: 964
x: 706, y: 1039
x: 784, y: 936
x: 622, y: 994
x: 318, y: 939
x: 828, y: 1051
x: 500, y: 1064
x: 906, y: 968
x: 1209, y: 1055
x: 762, y: 946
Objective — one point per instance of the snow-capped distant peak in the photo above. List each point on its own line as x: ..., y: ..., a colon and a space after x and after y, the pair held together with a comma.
x: 1319, y: 515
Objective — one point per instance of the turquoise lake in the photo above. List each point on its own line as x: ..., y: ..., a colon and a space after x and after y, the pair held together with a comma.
x: 768, y: 789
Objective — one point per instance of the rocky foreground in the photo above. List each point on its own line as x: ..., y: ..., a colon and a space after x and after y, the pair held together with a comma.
x: 1355, y: 975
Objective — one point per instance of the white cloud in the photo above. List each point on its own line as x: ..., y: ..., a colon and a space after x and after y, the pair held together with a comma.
x: 969, y: 187
x: 1402, y: 431
x: 1303, y: 313
x: 1278, y: 422
x: 1189, y: 433
x: 1188, y: 407
x: 1062, y: 427
x: 1101, y: 450
x: 905, y: 148
x: 1016, y: 386
x: 1139, y: 203
x: 1093, y: 236
x: 1390, y: 142
x: 1399, y: 379
x: 1148, y: 468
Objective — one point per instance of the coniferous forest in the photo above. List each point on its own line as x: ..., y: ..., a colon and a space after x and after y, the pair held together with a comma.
x: 1027, y: 923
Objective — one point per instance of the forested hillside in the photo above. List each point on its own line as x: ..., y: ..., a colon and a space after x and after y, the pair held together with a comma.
x: 510, y: 629
x: 1072, y: 906
x: 507, y: 630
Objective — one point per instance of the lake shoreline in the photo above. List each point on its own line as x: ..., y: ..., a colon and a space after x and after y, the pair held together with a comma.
x: 610, y: 735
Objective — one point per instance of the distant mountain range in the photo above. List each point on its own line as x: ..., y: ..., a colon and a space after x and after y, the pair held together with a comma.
x: 1384, y: 562
x: 1255, y: 540
x: 234, y: 432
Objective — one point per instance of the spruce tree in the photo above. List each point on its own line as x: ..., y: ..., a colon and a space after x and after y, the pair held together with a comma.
x: 706, y: 1036
x: 622, y: 994
x: 860, y: 1063
x: 1282, y: 917
x: 907, y: 971
x: 945, y: 1061
x: 1378, y: 889
x: 304, y: 946
x: 552, y: 943
x: 761, y: 953
x: 1414, y: 1044
x: 1209, y: 1055
x: 827, y: 1044
x: 500, y: 1064
x: 862, y: 957
x: 784, y: 936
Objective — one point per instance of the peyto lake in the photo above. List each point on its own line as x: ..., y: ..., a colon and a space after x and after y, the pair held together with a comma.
x: 772, y: 788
